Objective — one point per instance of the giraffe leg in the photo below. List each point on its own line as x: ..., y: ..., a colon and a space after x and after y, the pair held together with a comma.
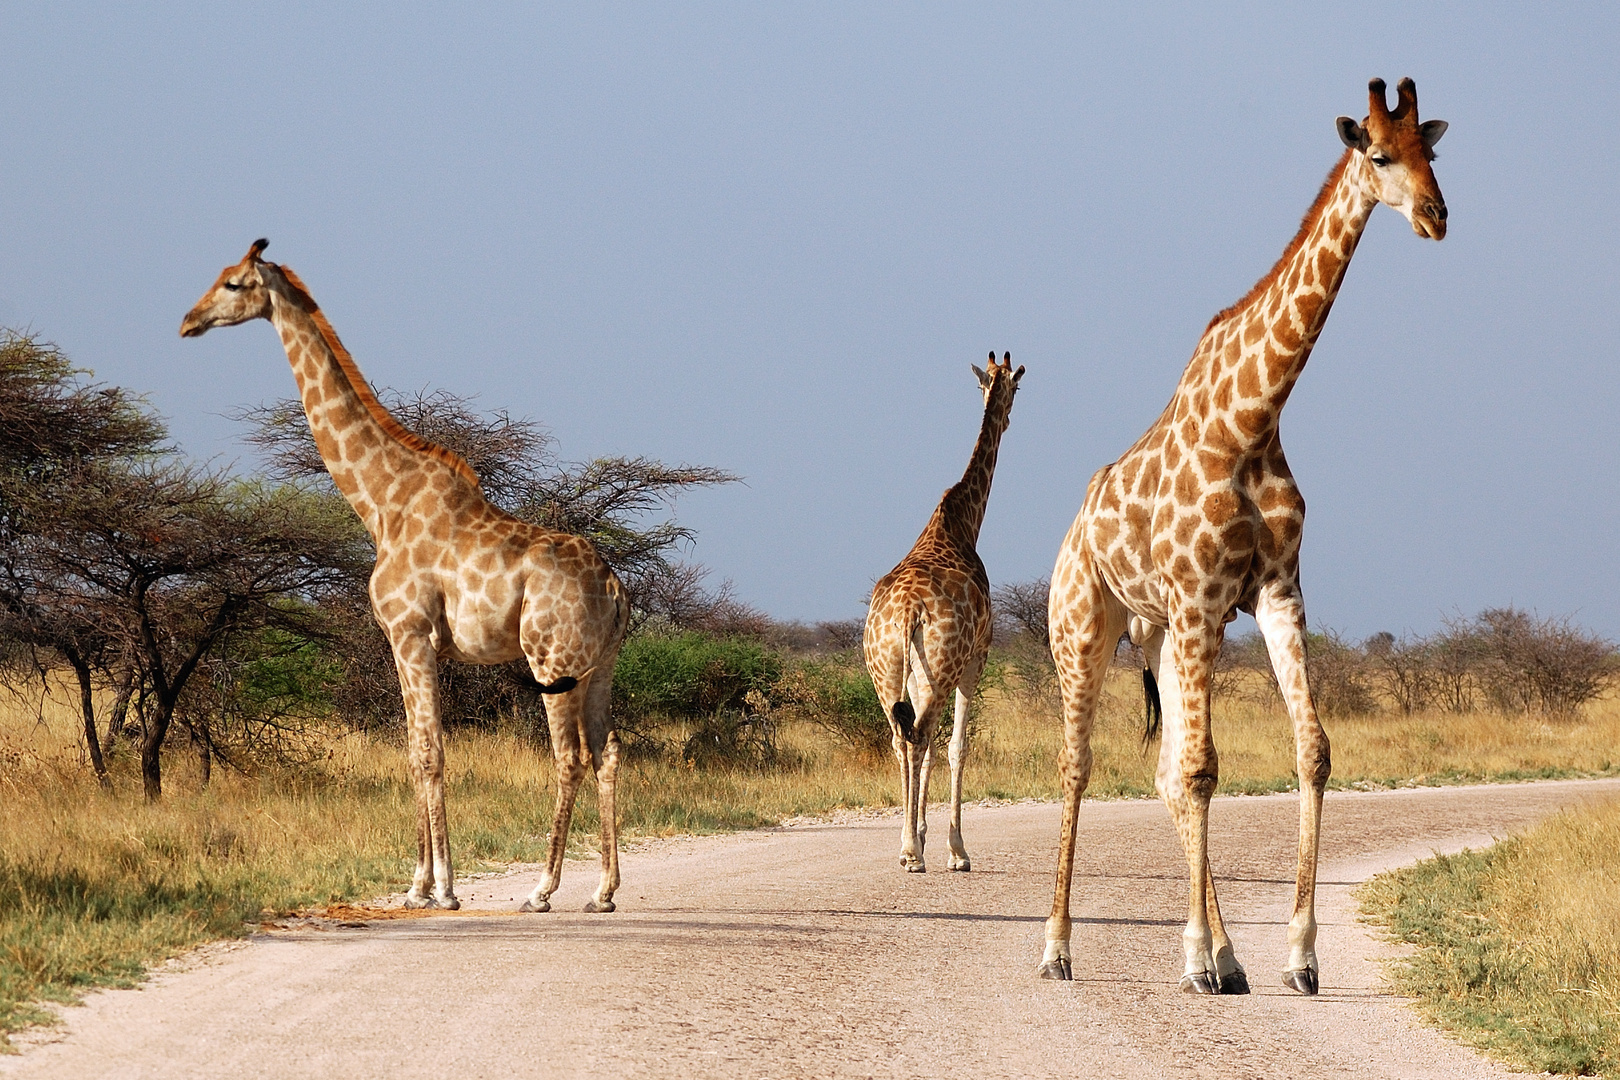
x: 916, y: 761
x: 433, y: 884
x: 604, y: 745
x: 1280, y: 613
x: 1187, y: 776
x: 958, y: 751
x: 925, y: 773
x: 1230, y: 978
x: 563, y: 711
x: 1084, y: 633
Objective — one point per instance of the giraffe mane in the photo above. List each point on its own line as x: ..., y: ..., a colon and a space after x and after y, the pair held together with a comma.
x: 1312, y: 216
x: 362, y: 389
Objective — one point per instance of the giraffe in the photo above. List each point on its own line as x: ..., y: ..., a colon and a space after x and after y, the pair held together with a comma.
x: 928, y: 628
x: 455, y: 577
x: 1201, y: 518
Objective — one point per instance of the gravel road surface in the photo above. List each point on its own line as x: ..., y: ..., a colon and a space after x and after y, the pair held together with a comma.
x: 804, y: 951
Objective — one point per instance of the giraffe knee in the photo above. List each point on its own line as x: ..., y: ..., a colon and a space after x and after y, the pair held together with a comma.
x: 1201, y: 785
x: 1315, y: 765
x: 571, y: 768
x: 1201, y: 775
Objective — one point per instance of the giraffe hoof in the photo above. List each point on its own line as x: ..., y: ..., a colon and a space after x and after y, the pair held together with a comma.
x: 963, y: 864
x: 918, y: 867
x: 533, y: 905
x: 598, y: 907
x: 1200, y: 982
x: 1058, y: 970
x: 448, y: 903
x: 1235, y: 983
x: 414, y: 902
x: 1304, y: 980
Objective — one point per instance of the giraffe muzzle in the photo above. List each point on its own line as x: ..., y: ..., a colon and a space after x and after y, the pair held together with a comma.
x: 1430, y: 220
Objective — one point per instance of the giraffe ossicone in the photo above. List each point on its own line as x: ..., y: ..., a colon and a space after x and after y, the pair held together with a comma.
x: 1201, y: 519
x: 456, y: 578
x: 928, y: 628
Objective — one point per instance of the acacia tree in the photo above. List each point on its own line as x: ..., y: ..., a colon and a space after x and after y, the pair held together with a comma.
x: 128, y: 564
x: 172, y: 562
x: 55, y: 428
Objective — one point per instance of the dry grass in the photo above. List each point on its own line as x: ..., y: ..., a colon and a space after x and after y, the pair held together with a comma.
x: 1518, y: 946
x: 1020, y: 734
x: 96, y: 886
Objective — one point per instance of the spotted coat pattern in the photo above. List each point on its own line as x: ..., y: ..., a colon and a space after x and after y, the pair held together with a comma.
x: 928, y: 628
x: 1201, y: 518
x: 456, y: 578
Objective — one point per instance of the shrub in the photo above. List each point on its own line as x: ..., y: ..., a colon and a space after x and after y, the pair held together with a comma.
x: 688, y: 676
x: 1337, y: 672
x: 1242, y: 658
x: 1403, y: 668
x: 737, y: 738
x: 837, y: 695
x: 1021, y: 610
x: 1546, y: 665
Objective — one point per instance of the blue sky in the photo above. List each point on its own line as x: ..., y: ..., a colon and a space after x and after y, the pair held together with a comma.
x: 772, y: 239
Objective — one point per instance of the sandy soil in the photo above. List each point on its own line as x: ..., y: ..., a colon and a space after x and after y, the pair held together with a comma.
x: 805, y: 951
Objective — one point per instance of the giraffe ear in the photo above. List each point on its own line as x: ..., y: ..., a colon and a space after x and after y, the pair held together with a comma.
x: 1019, y: 374
x: 984, y: 380
x: 1352, y: 134
x: 1431, y: 130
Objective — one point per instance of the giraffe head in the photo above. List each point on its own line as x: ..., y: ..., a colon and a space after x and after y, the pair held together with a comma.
x: 239, y: 295
x: 1394, y: 151
x: 1000, y: 383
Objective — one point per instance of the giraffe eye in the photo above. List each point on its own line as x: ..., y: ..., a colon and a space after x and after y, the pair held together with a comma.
x: 1380, y: 160
x: 233, y: 286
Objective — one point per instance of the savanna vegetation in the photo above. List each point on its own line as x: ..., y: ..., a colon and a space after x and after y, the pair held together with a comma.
x: 201, y: 725
x: 1516, y: 948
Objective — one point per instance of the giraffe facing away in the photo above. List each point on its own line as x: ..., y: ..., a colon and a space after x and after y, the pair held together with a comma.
x: 1201, y: 518
x: 455, y: 577
x: 928, y: 628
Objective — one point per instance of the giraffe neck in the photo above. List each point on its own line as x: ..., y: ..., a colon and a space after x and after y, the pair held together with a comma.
x: 365, y: 449
x: 1253, y: 352
x: 962, y: 508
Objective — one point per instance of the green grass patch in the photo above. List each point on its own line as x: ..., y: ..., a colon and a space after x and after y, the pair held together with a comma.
x: 1516, y: 949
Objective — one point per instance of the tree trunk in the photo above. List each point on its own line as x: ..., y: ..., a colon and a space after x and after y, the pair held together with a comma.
x: 120, y: 714
x: 157, y: 726
x: 87, y: 707
x: 205, y: 754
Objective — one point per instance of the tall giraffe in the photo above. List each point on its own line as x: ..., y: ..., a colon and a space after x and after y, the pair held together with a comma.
x: 455, y: 577
x: 928, y: 629
x: 1201, y: 519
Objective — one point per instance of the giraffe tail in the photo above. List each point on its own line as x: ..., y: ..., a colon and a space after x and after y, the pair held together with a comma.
x: 1152, y: 706
x: 905, y: 715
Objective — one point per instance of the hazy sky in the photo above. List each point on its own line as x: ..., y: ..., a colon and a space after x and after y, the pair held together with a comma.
x: 772, y: 239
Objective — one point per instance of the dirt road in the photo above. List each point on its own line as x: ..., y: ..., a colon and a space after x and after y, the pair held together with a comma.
x: 805, y: 951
